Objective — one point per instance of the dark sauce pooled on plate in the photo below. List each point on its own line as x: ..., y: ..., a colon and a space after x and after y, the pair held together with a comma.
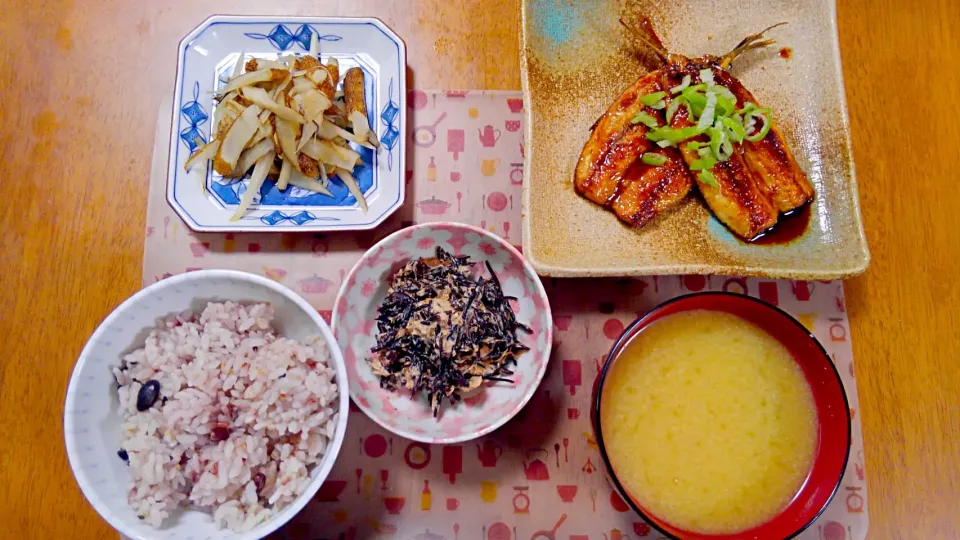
x: 788, y: 228
x: 443, y: 332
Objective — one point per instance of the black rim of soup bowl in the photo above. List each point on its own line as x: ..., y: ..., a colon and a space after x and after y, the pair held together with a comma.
x: 629, y: 334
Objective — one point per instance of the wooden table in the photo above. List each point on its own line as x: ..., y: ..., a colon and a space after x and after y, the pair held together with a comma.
x: 82, y: 82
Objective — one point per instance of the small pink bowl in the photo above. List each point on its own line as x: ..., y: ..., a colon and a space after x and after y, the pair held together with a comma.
x: 355, y: 329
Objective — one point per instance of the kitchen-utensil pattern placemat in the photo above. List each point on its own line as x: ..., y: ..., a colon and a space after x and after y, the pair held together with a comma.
x: 540, y: 475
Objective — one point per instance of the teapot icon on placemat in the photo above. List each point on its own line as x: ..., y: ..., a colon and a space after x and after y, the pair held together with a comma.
x: 489, y: 135
x: 489, y: 453
x: 537, y: 468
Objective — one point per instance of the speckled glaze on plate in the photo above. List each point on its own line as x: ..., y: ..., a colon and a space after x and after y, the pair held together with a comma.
x: 577, y: 59
x: 355, y: 329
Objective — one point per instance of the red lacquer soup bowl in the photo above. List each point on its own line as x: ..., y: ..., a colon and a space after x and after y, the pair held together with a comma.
x: 830, y: 400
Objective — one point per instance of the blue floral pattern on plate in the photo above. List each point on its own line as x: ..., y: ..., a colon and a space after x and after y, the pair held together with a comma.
x: 392, y: 134
x: 193, y: 112
x: 205, y: 200
x: 282, y: 38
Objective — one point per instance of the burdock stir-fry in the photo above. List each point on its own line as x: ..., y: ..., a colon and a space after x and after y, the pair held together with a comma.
x: 443, y: 332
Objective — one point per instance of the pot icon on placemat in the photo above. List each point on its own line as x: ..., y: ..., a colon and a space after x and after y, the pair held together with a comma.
x: 314, y: 284
x: 433, y: 206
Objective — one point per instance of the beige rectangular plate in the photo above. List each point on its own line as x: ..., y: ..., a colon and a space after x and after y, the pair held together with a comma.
x: 577, y: 59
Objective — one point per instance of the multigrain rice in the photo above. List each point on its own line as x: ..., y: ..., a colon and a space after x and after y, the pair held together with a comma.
x: 240, y: 417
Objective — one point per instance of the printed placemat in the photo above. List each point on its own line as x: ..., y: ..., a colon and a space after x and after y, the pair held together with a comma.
x: 539, y: 476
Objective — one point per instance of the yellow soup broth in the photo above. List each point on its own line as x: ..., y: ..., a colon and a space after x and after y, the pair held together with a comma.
x: 708, y: 422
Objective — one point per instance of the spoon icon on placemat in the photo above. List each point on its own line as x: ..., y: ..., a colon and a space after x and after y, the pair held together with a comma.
x: 566, y: 443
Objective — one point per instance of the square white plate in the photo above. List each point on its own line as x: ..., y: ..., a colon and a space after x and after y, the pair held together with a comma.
x: 207, y: 54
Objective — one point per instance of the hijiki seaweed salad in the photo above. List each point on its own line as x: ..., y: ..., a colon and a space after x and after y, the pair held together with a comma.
x: 443, y: 332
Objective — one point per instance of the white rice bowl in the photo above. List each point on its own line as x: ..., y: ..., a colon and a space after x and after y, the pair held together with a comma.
x: 244, y: 366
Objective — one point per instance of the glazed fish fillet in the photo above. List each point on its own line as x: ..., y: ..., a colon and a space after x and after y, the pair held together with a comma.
x: 779, y: 176
x: 610, y: 171
x: 736, y: 198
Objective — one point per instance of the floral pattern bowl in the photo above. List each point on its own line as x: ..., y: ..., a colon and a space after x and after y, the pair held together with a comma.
x: 355, y: 329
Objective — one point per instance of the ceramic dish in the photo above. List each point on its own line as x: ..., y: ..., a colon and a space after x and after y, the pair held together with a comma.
x: 92, y: 419
x: 355, y: 328
x: 830, y: 400
x: 577, y: 59
x: 209, y: 52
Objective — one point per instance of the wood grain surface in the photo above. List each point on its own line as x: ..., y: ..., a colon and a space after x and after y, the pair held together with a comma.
x: 81, y: 85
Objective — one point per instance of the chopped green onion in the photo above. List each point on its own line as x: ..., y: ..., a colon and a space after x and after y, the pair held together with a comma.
x: 696, y: 145
x: 668, y: 133
x: 645, y: 119
x: 673, y: 108
x: 726, y: 149
x: 734, y: 129
x: 725, y: 92
x: 694, y: 91
x: 650, y: 99
x: 704, y: 151
x: 706, y: 75
x: 653, y: 159
x: 721, y: 147
x: 707, y: 178
x: 696, y: 100
x: 725, y: 106
x: 683, y: 84
x: 703, y: 164
x: 747, y: 107
x: 763, y: 114
x: 664, y: 143
x: 706, y: 119
x: 660, y: 105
